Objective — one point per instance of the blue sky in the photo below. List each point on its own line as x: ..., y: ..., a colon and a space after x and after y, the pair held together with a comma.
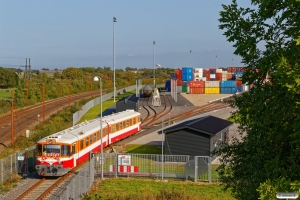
x: 65, y: 33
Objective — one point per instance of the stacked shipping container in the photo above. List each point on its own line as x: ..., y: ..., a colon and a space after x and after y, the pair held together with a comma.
x: 187, y: 76
x: 209, y: 81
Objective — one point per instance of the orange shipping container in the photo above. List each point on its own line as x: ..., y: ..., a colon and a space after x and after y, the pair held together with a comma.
x: 197, y: 90
x: 229, y: 77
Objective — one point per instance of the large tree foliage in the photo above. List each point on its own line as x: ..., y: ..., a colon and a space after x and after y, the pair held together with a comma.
x: 8, y: 78
x: 266, y: 36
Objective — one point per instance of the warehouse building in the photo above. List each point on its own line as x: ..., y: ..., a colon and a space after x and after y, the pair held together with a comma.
x: 196, y: 137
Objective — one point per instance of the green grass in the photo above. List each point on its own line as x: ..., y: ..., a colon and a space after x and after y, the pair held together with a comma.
x: 5, y: 94
x: 135, y: 189
x: 143, y: 149
x: 94, y: 112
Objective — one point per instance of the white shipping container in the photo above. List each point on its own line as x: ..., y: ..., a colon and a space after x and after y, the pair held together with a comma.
x: 219, y: 70
x: 224, y: 72
x: 212, y: 75
x: 179, y: 89
x: 198, y: 74
x: 199, y: 70
x: 215, y: 84
x: 224, y: 77
x: 245, y: 88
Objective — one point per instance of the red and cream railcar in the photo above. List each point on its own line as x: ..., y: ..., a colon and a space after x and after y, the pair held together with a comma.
x: 60, y: 152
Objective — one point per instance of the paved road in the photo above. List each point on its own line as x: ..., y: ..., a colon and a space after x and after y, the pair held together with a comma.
x: 152, y: 136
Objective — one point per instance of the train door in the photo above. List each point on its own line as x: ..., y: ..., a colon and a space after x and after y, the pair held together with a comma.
x: 108, y: 132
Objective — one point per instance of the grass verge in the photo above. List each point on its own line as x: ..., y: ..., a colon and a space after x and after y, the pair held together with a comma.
x: 135, y: 189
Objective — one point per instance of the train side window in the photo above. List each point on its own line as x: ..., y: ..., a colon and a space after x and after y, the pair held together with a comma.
x: 127, y: 123
x: 74, y: 148
x: 121, y: 126
x: 124, y: 124
x: 117, y: 127
x: 113, y: 128
x: 104, y: 132
x: 39, y: 149
x: 130, y: 122
x: 95, y: 138
x: 98, y: 135
x: 65, y: 150
x: 87, y: 142
x: 91, y: 139
x: 134, y: 122
x: 81, y: 144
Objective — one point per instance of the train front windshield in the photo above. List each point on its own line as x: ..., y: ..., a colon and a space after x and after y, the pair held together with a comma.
x: 51, y: 148
x: 54, y: 150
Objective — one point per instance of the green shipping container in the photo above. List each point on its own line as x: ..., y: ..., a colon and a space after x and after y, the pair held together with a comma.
x: 184, y: 88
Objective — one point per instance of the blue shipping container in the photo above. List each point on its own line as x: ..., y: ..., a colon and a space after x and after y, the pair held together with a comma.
x: 239, y: 73
x: 228, y: 90
x: 228, y: 84
x: 168, y: 85
x: 187, y: 77
x: 239, y: 88
x: 211, y: 71
x: 187, y: 70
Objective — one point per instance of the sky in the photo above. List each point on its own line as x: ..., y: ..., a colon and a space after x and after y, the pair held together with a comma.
x: 76, y: 33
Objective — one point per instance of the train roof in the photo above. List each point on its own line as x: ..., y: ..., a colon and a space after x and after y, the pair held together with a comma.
x: 83, y: 129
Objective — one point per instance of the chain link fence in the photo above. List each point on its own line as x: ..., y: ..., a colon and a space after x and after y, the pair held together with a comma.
x: 78, y: 185
x: 183, y: 167
x: 78, y: 115
x: 22, y: 162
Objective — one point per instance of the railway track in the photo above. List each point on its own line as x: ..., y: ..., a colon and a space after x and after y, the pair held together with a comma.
x: 154, y: 114
x: 167, y: 108
x: 47, y: 186
x: 26, y: 118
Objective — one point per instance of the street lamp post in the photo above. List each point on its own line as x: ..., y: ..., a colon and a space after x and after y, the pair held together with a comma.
x: 154, y: 64
x: 97, y: 78
x: 114, y: 20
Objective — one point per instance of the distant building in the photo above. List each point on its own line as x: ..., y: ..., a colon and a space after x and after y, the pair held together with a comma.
x: 131, y: 102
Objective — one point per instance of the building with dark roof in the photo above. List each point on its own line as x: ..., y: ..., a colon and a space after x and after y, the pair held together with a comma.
x: 196, y: 137
x: 131, y: 102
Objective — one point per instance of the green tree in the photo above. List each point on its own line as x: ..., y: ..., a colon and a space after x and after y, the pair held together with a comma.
x: 72, y: 73
x: 8, y: 78
x: 267, y: 38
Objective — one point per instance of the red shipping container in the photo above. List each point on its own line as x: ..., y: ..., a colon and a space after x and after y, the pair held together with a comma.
x: 238, y: 83
x: 178, y: 73
x: 231, y: 69
x: 218, y: 76
x: 179, y: 82
x: 197, y: 84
